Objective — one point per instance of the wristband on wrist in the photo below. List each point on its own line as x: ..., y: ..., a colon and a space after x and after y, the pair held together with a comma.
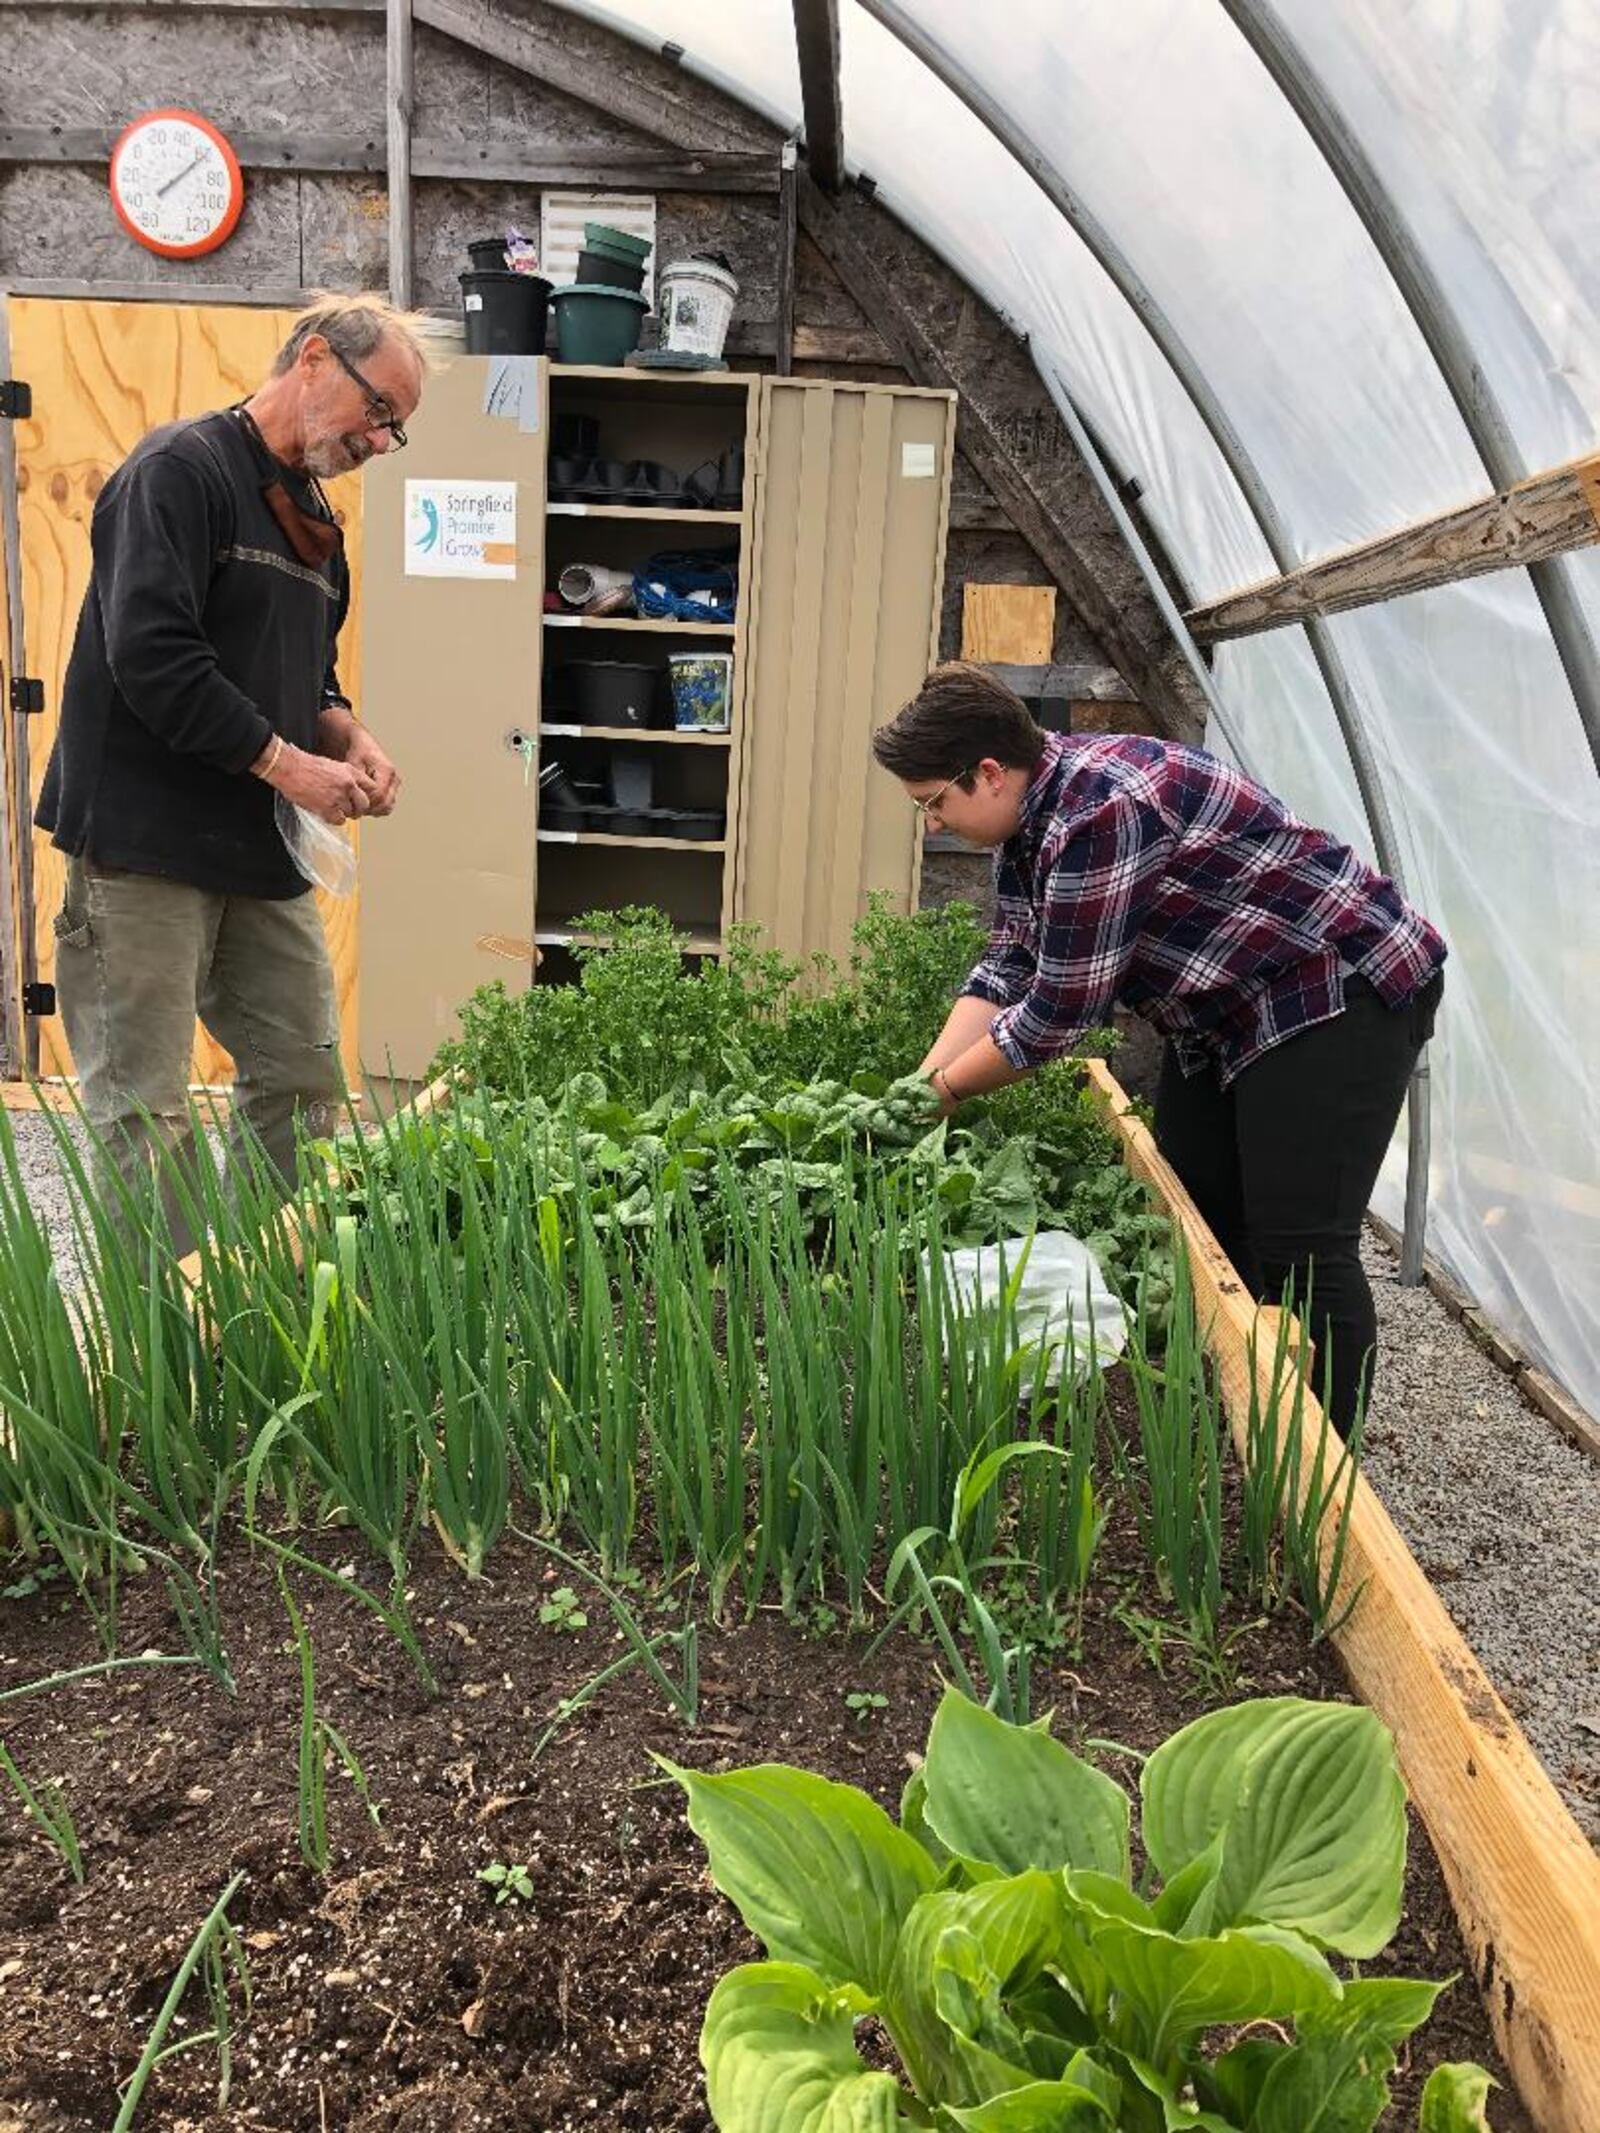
x: 271, y: 764
x: 940, y: 1076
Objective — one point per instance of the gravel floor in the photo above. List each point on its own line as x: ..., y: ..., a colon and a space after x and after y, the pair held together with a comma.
x: 1501, y: 1512
x: 1504, y: 1516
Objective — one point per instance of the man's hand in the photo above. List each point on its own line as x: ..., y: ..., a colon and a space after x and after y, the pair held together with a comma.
x: 334, y: 791
x: 373, y: 767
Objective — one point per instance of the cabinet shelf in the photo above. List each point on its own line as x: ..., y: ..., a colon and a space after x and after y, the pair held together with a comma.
x: 633, y: 622
x: 637, y: 844
x: 683, y: 514
x: 652, y: 736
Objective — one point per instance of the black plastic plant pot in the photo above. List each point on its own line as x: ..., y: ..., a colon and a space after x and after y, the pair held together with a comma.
x: 505, y: 313
x: 613, y: 692
x: 699, y: 825
x: 488, y: 255
x: 599, y: 267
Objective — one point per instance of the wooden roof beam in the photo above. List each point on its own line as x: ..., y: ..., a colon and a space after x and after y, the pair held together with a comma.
x: 816, y: 36
x: 660, y: 171
x: 1544, y: 516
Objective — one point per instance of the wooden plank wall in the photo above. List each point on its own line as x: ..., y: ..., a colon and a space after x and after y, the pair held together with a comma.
x: 102, y: 375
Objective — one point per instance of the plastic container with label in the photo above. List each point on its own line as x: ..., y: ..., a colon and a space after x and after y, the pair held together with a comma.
x: 697, y: 297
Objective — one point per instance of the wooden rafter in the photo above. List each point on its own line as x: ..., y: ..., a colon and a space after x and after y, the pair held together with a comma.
x: 629, y: 90
x: 816, y: 36
x: 1543, y: 516
x: 1040, y: 482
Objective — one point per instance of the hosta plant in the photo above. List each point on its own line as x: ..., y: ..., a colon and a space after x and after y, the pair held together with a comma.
x: 1026, y: 1984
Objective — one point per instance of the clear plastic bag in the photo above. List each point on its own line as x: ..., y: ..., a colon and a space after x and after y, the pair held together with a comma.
x: 323, y: 854
x: 1062, y: 1299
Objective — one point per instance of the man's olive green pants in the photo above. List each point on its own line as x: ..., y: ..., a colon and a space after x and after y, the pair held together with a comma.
x: 138, y: 957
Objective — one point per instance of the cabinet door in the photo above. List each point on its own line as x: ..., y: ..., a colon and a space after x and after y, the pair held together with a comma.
x: 851, y: 515
x: 451, y: 685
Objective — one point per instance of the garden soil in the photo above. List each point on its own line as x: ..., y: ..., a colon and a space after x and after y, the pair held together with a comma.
x: 394, y: 1995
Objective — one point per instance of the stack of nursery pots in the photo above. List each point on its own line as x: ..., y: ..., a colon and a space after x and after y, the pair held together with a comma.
x: 600, y: 315
x: 504, y: 309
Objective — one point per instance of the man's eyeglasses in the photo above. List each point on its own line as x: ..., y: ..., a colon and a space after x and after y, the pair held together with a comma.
x: 925, y: 808
x: 380, y: 415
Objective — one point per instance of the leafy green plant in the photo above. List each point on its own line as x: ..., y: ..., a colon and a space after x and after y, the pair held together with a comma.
x: 1026, y: 1985
x: 511, y: 1882
x: 862, y: 1704
x: 561, y: 1610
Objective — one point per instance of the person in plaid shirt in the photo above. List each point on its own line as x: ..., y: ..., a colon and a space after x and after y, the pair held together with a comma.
x: 1294, y: 985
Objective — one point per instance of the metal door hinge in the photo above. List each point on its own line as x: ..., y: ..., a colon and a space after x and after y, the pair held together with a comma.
x: 38, y: 998
x: 16, y: 399
x: 27, y: 695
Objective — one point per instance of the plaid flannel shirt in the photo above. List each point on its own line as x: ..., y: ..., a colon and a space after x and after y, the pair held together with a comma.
x: 1155, y: 877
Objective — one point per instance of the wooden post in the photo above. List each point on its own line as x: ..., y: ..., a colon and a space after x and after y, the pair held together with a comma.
x: 401, y: 101
x: 788, y: 212
x: 1524, y: 1882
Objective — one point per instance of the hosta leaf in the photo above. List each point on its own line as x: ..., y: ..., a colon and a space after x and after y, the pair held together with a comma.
x: 1456, y: 2099
x: 1041, y: 2107
x: 914, y: 1816
x: 961, y: 1952
x: 1307, y: 1804
x: 778, y: 2047
x: 816, y: 1870
x: 1013, y: 1796
x: 1336, y: 2078
x: 1169, y: 1990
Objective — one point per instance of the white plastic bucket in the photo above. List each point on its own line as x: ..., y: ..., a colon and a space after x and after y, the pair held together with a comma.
x: 696, y: 306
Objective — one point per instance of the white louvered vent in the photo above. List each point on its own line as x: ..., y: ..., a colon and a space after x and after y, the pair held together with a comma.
x: 561, y: 220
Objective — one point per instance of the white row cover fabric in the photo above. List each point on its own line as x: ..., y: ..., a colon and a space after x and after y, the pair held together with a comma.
x: 1483, y: 120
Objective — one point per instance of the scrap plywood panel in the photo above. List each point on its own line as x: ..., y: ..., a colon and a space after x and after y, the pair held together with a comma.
x: 851, y: 520
x: 102, y: 375
x: 1014, y: 624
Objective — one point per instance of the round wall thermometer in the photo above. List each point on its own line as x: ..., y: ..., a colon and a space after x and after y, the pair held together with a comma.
x: 176, y: 184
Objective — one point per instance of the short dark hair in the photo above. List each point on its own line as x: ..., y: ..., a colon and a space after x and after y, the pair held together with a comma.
x: 960, y: 715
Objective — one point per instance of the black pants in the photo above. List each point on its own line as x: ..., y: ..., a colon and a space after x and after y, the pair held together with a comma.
x: 1283, y: 1163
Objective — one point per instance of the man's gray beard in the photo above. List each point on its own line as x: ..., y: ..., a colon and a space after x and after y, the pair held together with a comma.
x: 327, y: 461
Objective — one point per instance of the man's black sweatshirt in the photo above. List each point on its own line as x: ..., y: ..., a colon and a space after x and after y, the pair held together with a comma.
x: 202, y: 634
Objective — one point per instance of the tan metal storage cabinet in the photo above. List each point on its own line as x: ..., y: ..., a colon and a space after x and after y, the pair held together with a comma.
x: 451, y: 683
x: 851, y: 516
x: 839, y: 528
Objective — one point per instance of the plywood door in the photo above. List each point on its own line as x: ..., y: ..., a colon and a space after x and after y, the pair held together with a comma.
x: 452, y: 671
x: 102, y: 375
x: 852, y: 510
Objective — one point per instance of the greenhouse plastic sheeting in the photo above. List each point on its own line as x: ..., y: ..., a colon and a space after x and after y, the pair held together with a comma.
x: 1482, y: 121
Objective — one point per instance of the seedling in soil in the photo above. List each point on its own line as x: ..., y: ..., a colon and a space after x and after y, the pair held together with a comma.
x: 45, y: 1805
x: 864, y: 1702
x: 510, y: 1882
x: 561, y: 1610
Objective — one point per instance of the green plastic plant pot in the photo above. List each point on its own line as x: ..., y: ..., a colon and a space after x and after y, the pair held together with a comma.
x: 618, y: 244
x: 596, y: 324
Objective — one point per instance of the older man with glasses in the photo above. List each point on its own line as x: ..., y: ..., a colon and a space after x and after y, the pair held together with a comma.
x: 202, y: 685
